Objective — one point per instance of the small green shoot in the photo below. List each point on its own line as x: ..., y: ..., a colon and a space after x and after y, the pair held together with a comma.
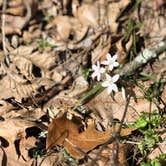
x: 154, y: 162
x: 36, y: 155
x: 86, y: 73
x: 131, y: 30
x: 147, y: 125
x: 43, y: 44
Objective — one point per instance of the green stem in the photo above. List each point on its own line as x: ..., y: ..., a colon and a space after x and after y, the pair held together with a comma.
x: 88, y: 95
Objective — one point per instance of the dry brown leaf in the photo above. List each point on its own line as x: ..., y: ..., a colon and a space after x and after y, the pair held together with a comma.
x: 11, y: 130
x: 153, y: 23
x: 80, y: 85
x: 16, y: 11
x: 99, y: 53
x: 159, y: 3
x: 5, y: 107
x: 88, y: 15
x: 15, y: 24
x: 108, y: 107
x: 66, y: 132
x: 50, y: 160
x: 78, y: 31
x: 163, y: 96
x: 122, y: 51
x: 106, y: 155
x: 9, y: 157
x: 25, y: 145
x: 114, y: 10
x: 63, y: 26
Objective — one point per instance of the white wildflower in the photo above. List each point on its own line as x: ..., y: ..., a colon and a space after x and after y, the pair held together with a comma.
x: 111, y: 61
x: 97, y: 71
x: 110, y: 83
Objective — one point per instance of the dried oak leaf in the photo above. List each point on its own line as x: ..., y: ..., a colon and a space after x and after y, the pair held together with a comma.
x: 65, y: 132
x: 12, y: 130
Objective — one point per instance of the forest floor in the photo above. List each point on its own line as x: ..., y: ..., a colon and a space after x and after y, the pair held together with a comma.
x: 82, y: 82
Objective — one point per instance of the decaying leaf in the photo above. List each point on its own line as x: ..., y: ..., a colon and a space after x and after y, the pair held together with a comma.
x: 66, y: 132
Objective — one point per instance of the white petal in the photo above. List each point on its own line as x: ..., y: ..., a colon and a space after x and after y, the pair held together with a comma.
x: 111, y: 67
x: 94, y: 67
x: 114, y: 58
x: 115, y: 78
x: 109, y: 89
x: 114, y: 88
x: 105, y: 63
x: 102, y: 70
x: 94, y: 74
x: 108, y: 77
x: 108, y: 56
x: 98, y: 77
x: 116, y: 64
x: 98, y: 64
x: 105, y: 84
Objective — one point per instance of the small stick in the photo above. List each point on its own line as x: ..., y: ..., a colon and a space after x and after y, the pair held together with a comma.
x: 3, y: 17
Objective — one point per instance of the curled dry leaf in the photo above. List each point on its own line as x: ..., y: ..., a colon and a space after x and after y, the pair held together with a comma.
x: 65, y: 132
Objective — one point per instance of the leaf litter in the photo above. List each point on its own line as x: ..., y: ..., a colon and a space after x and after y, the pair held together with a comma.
x: 49, y: 45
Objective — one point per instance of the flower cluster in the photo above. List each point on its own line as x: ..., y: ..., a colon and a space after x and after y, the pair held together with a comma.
x: 101, y: 73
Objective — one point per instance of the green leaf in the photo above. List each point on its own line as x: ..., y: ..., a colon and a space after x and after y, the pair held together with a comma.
x: 141, y: 122
x: 155, y: 162
x: 145, y: 164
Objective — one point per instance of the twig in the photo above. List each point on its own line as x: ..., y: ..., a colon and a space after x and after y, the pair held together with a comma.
x: 28, y: 13
x: 142, y: 58
x: 3, y: 17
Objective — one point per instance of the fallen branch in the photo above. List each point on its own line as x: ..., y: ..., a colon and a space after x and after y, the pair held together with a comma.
x: 142, y: 58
